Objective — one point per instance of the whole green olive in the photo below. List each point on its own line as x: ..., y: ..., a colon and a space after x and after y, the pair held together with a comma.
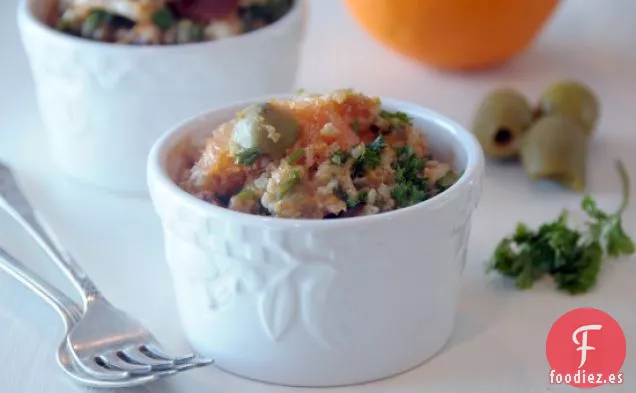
x: 555, y: 148
x: 574, y: 99
x: 500, y: 121
x: 265, y: 129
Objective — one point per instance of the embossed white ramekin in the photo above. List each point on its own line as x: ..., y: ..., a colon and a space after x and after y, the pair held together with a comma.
x: 317, y: 302
x: 103, y: 105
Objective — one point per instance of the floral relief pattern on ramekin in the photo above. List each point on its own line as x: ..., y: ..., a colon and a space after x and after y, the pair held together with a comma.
x: 60, y: 86
x: 290, y: 291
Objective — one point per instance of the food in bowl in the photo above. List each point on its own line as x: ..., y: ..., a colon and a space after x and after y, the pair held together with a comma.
x: 165, y: 22
x: 324, y: 156
x: 316, y: 303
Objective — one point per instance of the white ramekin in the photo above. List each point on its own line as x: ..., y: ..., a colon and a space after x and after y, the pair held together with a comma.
x: 317, y: 302
x: 103, y: 105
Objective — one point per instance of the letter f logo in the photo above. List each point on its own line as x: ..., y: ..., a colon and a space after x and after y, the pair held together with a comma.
x: 583, y: 344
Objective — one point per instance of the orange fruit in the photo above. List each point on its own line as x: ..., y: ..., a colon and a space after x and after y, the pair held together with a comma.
x: 454, y: 34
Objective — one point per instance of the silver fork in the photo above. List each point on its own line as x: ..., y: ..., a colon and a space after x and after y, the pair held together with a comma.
x: 71, y: 314
x: 107, y: 343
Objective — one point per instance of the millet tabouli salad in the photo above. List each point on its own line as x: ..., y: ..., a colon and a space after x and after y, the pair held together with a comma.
x: 165, y: 22
x: 317, y: 156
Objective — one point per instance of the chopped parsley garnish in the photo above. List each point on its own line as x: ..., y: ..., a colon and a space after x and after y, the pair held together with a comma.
x: 339, y: 157
x: 247, y: 194
x: 163, y: 19
x: 572, y: 257
x: 295, y: 156
x: 444, y: 182
x: 370, y: 158
x: 94, y: 20
x: 247, y: 156
x: 410, y: 187
x: 377, y: 145
x: 351, y: 202
x: 396, y: 116
x: 291, y: 181
x: 360, y: 199
x: 398, y: 121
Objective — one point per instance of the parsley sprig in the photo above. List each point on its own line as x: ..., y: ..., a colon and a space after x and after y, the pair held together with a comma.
x: 572, y: 257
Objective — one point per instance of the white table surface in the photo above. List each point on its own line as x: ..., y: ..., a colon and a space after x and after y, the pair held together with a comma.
x: 499, y: 343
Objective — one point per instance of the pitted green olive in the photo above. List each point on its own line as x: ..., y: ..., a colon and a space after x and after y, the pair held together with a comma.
x: 555, y: 148
x: 572, y: 99
x: 265, y: 129
x: 500, y: 122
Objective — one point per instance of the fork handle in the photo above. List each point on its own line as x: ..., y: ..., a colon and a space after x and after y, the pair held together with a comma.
x: 67, y: 309
x: 13, y: 201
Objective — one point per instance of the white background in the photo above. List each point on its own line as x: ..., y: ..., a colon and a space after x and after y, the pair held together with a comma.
x: 499, y: 344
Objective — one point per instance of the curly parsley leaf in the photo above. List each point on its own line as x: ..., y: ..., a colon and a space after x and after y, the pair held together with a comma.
x: 410, y: 187
x: 163, y: 19
x: 370, y: 157
x: 339, y: 157
x: 398, y: 121
x: 571, y: 257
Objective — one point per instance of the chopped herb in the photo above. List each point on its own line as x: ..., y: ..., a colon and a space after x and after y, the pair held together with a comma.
x: 407, y: 194
x: 65, y: 25
x: 339, y: 157
x: 94, y: 21
x: 247, y: 156
x: 350, y: 201
x: 247, y: 194
x: 571, y: 257
x: 370, y: 158
x: 398, y: 121
x: 163, y: 19
x: 359, y: 200
x: 288, y: 184
x: 268, y: 13
x: 295, y: 156
x: 398, y: 117
x: 377, y: 145
x: 340, y: 193
x: 355, y: 126
x: 410, y: 186
x: 196, y: 32
x: 444, y: 182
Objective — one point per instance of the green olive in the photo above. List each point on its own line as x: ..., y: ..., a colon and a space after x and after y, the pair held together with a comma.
x: 573, y: 99
x: 500, y: 122
x: 555, y: 148
x: 266, y: 129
